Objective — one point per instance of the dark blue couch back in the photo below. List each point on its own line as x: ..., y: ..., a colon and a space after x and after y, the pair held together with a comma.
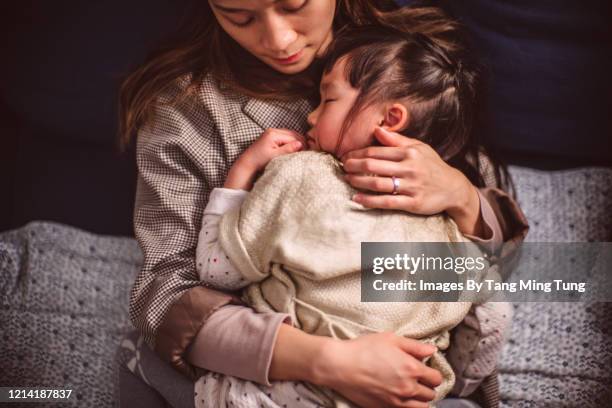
x: 62, y: 65
x: 549, y: 67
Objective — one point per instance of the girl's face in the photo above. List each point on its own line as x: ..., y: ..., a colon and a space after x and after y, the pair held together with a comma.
x: 326, y: 121
x: 285, y: 34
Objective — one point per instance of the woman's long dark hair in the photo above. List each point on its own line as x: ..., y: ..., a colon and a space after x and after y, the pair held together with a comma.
x: 202, y: 47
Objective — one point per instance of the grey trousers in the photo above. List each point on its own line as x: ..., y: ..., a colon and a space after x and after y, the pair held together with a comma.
x: 146, y: 381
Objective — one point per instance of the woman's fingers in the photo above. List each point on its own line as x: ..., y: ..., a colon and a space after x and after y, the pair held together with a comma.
x: 419, y: 350
x: 416, y: 404
x: 423, y: 393
x: 387, y: 202
x: 376, y: 152
x: 374, y: 166
x: 415, y: 348
x: 400, y: 403
x: 419, y: 398
x: 430, y: 376
x: 379, y: 184
x: 388, y: 138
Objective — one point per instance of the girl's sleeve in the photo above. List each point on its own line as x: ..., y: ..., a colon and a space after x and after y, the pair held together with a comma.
x: 212, y: 263
x: 168, y: 303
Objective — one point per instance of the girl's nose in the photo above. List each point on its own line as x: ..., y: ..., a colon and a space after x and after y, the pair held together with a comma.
x: 312, y: 117
x: 278, y: 34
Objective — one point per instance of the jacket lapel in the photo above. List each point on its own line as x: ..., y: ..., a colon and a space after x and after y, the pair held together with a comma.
x: 278, y: 114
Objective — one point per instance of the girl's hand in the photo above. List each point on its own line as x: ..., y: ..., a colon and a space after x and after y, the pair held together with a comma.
x: 427, y: 185
x: 272, y: 143
x: 378, y: 370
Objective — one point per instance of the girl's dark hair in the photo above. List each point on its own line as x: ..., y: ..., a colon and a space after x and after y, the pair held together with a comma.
x: 426, y: 64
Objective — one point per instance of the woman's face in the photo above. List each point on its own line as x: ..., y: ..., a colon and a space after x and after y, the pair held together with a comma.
x: 285, y: 34
x: 326, y: 121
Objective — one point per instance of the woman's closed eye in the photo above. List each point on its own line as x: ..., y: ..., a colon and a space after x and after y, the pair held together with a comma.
x: 328, y: 100
x: 242, y: 23
x: 295, y: 5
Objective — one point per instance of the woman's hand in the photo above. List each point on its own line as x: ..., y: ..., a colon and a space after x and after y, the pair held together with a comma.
x: 272, y: 143
x: 427, y: 185
x: 375, y: 370
x: 378, y: 370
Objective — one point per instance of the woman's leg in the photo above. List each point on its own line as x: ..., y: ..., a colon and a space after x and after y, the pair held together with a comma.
x: 133, y: 392
x: 147, y: 381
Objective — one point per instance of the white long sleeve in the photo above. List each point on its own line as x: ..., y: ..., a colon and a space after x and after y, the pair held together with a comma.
x: 213, y: 265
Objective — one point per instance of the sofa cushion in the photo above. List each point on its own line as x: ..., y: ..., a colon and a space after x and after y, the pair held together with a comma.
x: 560, y: 354
x: 63, y: 308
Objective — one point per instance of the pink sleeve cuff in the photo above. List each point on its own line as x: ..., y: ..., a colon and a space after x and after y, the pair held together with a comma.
x: 493, y: 233
x: 237, y: 341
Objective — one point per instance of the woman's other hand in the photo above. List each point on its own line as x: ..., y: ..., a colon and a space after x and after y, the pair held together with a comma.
x: 272, y: 143
x: 427, y: 185
x: 378, y: 370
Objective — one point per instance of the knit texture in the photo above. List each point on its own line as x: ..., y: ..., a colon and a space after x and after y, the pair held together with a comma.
x: 298, y: 238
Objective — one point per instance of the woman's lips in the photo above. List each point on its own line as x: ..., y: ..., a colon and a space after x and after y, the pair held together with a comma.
x: 291, y: 59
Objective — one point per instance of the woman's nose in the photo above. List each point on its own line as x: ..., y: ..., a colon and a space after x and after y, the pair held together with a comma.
x: 278, y: 34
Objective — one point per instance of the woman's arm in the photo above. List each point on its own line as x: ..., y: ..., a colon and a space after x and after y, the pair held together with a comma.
x: 168, y: 303
x: 388, y: 366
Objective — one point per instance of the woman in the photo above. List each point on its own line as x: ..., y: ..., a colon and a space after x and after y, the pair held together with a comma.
x: 240, y: 68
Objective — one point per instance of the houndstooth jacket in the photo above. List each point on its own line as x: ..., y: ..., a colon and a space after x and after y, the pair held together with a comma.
x: 182, y: 154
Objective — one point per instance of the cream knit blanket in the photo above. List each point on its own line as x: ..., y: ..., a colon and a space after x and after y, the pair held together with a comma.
x: 298, y: 237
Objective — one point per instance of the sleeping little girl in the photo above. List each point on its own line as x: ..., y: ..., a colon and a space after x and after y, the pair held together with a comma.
x: 292, y: 239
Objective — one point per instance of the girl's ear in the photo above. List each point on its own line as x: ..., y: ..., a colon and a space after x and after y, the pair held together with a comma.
x: 396, y: 117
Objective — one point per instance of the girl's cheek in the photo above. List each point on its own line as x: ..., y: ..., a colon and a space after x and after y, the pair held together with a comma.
x: 328, y: 136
